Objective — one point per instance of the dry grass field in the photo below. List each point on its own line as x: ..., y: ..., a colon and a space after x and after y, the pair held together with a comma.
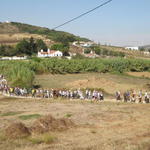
x: 107, y: 125
x: 140, y: 74
x: 99, y: 125
x: 109, y: 82
x: 12, y: 39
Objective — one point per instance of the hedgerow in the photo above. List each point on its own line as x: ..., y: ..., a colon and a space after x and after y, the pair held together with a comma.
x: 21, y: 73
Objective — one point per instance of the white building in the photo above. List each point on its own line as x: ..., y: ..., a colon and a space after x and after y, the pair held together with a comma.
x: 132, y: 48
x: 82, y: 44
x: 50, y: 53
x: 146, y: 53
x: 14, y: 58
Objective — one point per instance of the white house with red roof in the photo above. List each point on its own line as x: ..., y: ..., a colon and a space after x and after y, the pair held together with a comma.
x: 50, y: 53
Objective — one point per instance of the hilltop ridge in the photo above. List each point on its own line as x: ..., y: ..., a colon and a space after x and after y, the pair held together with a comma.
x: 11, y: 28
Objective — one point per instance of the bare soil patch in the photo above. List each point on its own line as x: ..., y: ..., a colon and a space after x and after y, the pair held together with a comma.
x: 140, y: 74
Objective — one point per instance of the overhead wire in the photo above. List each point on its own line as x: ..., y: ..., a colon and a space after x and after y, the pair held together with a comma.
x: 83, y: 14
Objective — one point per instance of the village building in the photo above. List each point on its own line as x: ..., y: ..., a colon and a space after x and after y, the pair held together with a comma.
x: 83, y: 44
x: 50, y: 53
x: 132, y: 48
x: 14, y: 58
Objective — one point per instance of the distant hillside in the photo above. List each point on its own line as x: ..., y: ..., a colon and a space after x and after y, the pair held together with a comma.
x: 57, y: 36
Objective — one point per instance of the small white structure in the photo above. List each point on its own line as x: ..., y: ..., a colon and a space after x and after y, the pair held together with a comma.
x: 50, y: 53
x: 146, y: 53
x: 132, y: 48
x: 82, y: 44
x: 14, y: 58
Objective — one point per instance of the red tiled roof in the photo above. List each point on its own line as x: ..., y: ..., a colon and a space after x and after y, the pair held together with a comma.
x: 43, y: 52
x: 51, y: 52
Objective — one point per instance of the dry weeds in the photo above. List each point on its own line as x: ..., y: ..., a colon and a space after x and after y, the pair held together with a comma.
x: 140, y: 74
x: 100, y: 126
x: 48, y: 123
x: 17, y: 130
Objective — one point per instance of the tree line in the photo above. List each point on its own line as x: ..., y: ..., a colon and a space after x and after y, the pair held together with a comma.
x: 25, y: 47
x: 31, y: 46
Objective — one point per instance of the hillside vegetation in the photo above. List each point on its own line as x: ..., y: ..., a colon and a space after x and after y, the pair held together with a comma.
x: 58, y: 36
x: 14, y: 32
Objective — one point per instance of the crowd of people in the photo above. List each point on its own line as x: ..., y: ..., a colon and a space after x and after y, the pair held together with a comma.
x: 128, y: 96
x: 133, y: 96
x: 53, y: 93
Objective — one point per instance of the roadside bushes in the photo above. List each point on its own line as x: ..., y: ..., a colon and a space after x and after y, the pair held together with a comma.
x: 18, y: 73
x: 21, y: 76
x: 21, y: 73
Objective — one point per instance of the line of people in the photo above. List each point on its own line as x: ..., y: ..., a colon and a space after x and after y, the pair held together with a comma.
x: 133, y: 96
x: 53, y: 93
x: 127, y: 96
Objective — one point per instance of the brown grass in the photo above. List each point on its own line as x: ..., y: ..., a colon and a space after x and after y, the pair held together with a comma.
x: 15, y: 38
x: 109, y: 82
x: 140, y: 74
x: 17, y: 130
x: 100, y: 126
x: 49, y: 123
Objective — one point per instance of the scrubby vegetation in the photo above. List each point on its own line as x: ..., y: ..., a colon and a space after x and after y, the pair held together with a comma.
x: 104, y: 51
x: 21, y: 73
x: 57, y: 36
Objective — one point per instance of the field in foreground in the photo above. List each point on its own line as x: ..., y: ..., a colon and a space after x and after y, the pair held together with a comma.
x: 100, y: 125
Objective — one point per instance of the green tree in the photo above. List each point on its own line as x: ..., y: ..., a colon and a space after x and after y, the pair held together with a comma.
x: 64, y: 48
x: 32, y: 45
x: 29, y: 47
x: 142, y: 49
x: 41, y: 45
x: 87, y: 51
x: 23, y: 47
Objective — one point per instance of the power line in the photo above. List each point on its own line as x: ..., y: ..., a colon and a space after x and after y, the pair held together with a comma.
x: 83, y: 14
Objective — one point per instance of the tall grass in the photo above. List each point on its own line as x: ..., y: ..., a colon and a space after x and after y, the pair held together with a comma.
x: 21, y: 73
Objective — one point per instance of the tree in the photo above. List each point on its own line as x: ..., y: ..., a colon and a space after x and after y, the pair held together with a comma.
x: 7, y: 50
x: 64, y: 48
x: 23, y: 47
x: 87, y: 51
x: 142, y: 49
x: 41, y: 45
x: 96, y: 49
x: 32, y: 45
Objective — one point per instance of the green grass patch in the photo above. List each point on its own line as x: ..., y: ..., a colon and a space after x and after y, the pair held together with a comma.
x: 68, y: 115
x: 26, y: 117
x: 11, y: 113
x: 44, y: 138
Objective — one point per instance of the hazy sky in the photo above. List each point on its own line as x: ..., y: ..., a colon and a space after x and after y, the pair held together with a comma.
x: 122, y: 22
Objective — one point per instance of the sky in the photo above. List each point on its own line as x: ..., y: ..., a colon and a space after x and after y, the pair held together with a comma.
x: 120, y: 23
